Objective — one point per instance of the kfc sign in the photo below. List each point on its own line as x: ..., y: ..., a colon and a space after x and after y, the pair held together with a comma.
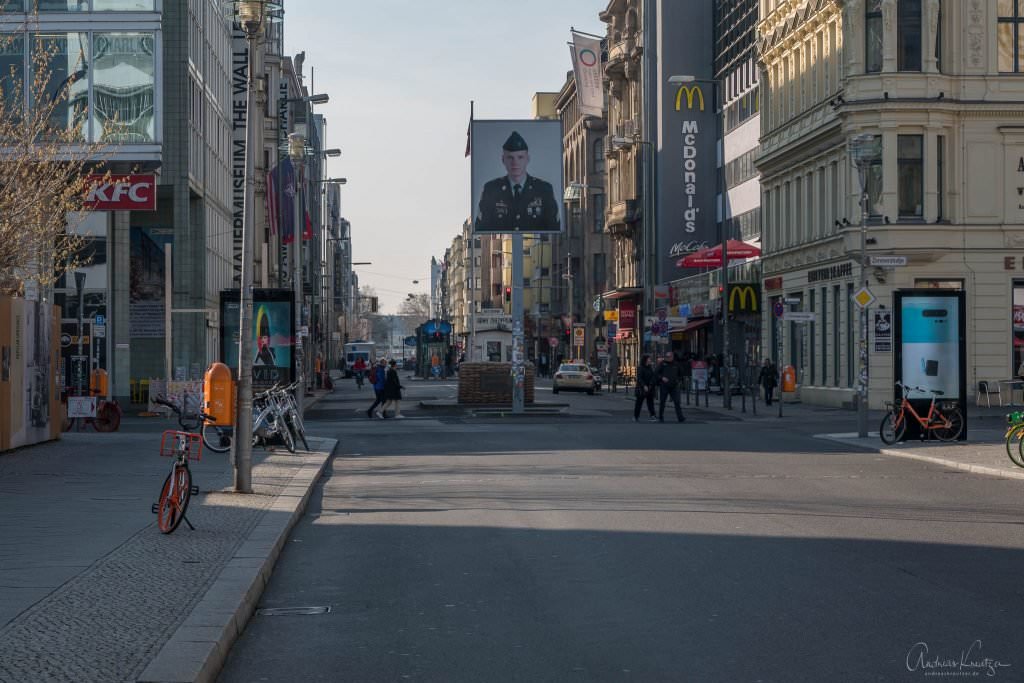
x: 122, y: 193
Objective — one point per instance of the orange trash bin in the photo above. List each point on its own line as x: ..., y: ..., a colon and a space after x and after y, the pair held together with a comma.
x: 98, y: 382
x: 219, y: 394
x: 789, y: 378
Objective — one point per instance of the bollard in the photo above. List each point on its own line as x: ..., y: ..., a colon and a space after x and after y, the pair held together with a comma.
x: 743, y: 399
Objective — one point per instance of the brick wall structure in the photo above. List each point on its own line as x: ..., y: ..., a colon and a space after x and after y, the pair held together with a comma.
x: 491, y: 383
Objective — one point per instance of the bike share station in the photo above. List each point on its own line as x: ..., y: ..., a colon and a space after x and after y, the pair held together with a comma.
x: 930, y: 350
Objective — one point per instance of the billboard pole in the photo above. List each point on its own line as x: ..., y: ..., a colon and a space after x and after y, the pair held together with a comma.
x: 518, y: 369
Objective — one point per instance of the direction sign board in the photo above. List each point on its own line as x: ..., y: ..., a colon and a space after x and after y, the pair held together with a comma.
x: 790, y: 300
x: 800, y: 316
x: 888, y: 261
x: 863, y: 297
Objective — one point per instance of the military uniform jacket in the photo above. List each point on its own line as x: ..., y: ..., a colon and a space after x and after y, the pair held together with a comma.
x: 535, y: 209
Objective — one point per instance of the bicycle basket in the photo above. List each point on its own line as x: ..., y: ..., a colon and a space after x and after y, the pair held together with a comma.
x: 1015, y: 418
x: 192, y: 444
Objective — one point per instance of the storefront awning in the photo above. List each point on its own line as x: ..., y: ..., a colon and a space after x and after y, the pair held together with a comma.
x: 692, y: 325
x: 622, y: 293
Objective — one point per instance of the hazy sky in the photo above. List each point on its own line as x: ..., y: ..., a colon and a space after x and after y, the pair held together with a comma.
x: 401, y: 74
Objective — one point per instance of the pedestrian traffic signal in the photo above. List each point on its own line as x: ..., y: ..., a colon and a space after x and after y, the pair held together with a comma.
x: 508, y: 294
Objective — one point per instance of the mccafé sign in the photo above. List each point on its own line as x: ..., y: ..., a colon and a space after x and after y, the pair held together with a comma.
x: 743, y: 297
x: 134, y: 192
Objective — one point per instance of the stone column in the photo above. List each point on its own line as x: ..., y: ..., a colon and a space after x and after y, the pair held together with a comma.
x: 889, y: 36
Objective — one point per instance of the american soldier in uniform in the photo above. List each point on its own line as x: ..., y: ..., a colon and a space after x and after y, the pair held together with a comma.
x: 517, y: 201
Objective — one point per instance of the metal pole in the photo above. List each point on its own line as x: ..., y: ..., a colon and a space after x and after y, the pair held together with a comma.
x: 295, y: 253
x: 518, y: 368
x: 572, y: 319
x: 168, y: 322
x: 726, y: 364
x: 242, y: 442
x: 80, y: 285
x: 862, y: 402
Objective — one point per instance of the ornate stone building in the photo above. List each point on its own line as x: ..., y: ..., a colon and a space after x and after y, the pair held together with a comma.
x: 937, y: 83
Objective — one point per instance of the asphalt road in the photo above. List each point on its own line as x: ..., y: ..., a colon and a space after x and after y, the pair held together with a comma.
x: 590, y: 548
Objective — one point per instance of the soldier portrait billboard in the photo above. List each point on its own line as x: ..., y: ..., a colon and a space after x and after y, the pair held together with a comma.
x: 516, y: 176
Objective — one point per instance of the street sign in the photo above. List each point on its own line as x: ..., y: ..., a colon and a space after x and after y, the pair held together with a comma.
x: 579, y: 333
x: 790, y: 300
x: 597, y: 304
x: 863, y: 297
x: 611, y: 316
x: 553, y: 342
x: 101, y: 320
x: 601, y: 346
x: 799, y: 316
x: 99, y: 331
x: 888, y: 261
x: 778, y: 309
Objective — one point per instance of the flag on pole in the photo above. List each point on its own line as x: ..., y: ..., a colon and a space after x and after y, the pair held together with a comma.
x: 284, y: 188
x: 469, y: 138
x: 271, y: 201
x: 586, y: 64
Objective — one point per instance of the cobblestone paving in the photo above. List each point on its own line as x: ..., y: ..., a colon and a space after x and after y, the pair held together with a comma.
x: 109, y: 621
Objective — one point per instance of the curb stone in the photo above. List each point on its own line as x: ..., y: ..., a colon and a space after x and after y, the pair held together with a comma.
x: 199, y: 647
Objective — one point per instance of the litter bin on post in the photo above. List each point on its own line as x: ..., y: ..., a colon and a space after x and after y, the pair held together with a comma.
x: 219, y: 395
x: 98, y: 382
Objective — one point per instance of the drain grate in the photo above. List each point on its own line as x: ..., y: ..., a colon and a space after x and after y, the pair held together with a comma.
x: 286, y: 611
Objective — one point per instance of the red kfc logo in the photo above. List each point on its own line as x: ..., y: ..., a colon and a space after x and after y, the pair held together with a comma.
x: 122, y: 193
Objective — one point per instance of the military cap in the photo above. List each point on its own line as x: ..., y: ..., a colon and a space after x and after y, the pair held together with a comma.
x: 515, y: 143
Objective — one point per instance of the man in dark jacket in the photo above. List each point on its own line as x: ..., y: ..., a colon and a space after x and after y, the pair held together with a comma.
x: 377, y: 376
x: 669, y: 376
x: 517, y: 201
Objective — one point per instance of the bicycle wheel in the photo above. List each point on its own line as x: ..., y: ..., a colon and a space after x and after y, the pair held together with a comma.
x: 67, y: 424
x: 956, y: 426
x: 286, y: 435
x: 172, y: 508
x: 892, y: 428
x: 1014, y: 438
x: 217, y: 439
x: 300, y: 431
x: 107, y: 419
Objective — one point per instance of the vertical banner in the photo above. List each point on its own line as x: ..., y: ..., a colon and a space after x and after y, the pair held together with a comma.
x: 929, y: 349
x: 516, y: 176
x: 239, y: 112
x: 586, y: 65
x: 684, y: 120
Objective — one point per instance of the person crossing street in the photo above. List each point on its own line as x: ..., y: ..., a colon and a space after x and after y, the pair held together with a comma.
x: 378, y: 375
x: 669, y: 376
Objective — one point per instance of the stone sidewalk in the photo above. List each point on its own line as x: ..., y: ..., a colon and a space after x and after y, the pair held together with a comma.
x: 90, y: 590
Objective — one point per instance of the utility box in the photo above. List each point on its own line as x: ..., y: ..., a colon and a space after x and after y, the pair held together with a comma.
x: 219, y: 394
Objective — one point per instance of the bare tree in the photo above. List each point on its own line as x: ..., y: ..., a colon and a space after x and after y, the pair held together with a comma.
x: 47, y: 168
x: 416, y: 305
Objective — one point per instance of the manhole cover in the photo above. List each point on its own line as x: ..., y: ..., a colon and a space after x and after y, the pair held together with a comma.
x: 285, y: 611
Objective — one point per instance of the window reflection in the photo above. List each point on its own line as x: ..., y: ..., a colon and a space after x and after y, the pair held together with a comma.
x: 123, y: 88
x: 62, y: 5
x: 64, y: 59
x: 12, y: 72
x: 123, y: 5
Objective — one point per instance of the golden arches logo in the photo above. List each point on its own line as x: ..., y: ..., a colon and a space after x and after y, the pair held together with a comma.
x: 690, y: 91
x: 747, y: 296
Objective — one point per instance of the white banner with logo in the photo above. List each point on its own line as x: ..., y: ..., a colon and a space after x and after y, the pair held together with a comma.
x: 586, y: 63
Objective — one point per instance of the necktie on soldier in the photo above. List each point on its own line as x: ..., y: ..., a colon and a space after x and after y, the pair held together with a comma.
x: 516, y: 190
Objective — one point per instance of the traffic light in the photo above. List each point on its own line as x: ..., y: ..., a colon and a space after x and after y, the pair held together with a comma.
x: 508, y: 294
x: 567, y: 334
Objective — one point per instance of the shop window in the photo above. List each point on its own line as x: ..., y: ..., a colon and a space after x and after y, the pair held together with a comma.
x: 1017, y: 315
x: 910, y: 153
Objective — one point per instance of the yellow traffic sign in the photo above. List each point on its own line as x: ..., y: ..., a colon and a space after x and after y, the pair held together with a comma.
x: 863, y: 297
x: 611, y: 316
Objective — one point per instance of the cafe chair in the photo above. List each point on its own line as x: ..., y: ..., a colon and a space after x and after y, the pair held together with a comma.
x: 985, y: 390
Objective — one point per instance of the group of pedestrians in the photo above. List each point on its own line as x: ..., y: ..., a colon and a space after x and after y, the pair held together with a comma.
x: 387, y: 391
x: 666, y: 379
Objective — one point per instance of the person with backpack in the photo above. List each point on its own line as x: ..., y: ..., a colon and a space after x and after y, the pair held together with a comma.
x: 392, y: 393
x: 378, y: 375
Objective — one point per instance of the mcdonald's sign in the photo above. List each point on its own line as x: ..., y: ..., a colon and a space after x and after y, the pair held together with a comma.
x: 690, y: 91
x: 746, y: 295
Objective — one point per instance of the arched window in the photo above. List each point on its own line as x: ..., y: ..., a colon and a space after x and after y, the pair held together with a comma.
x: 598, y: 155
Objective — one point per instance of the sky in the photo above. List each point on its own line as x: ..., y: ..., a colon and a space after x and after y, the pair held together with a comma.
x: 401, y: 75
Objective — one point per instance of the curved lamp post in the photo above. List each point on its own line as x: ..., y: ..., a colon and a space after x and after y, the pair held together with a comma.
x: 252, y: 16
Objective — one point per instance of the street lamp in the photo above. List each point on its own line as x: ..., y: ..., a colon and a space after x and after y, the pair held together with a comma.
x: 864, y: 150
x: 252, y: 17
x: 333, y: 152
x: 681, y: 80
x: 297, y: 154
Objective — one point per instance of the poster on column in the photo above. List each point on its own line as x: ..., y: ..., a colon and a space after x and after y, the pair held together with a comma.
x: 273, y: 337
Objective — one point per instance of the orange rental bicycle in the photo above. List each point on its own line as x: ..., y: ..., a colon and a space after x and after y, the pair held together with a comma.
x: 945, y: 421
x: 177, y: 488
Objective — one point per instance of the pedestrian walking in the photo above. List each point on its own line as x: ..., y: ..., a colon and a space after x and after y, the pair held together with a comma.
x: 669, y: 376
x: 377, y: 376
x: 645, y: 387
x: 359, y: 370
x: 768, y: 379
x: 392, y: 392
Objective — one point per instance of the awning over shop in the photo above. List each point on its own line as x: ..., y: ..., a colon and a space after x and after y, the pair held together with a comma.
x: 691, y: 325
x: 622, y: 293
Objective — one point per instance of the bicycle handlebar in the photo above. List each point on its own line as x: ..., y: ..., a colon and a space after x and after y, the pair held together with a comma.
x: 907, y: 390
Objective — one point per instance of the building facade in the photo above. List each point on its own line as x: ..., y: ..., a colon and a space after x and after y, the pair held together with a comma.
x: 937, y: 86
